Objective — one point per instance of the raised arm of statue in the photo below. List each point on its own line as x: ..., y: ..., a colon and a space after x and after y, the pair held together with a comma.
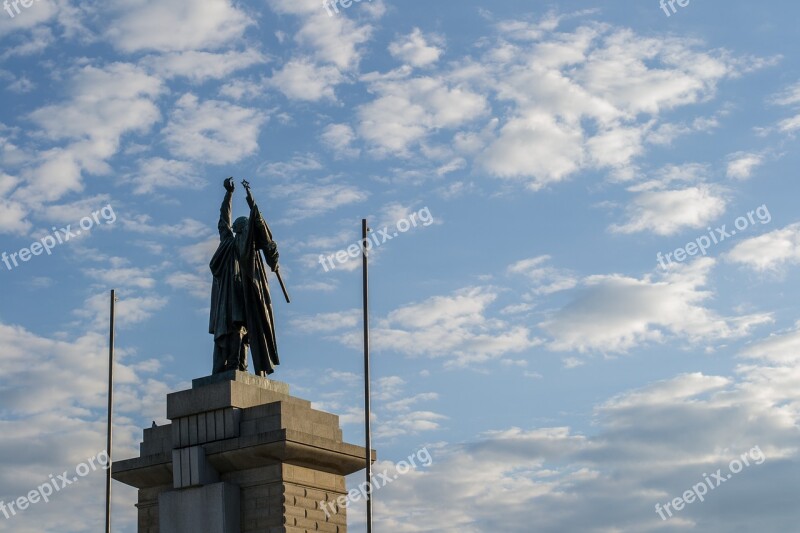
x: 262, y: 237
x: 224, y: 226
x: 250, y: 201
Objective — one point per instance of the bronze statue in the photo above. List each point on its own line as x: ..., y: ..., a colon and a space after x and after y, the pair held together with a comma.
x: 241, y: 307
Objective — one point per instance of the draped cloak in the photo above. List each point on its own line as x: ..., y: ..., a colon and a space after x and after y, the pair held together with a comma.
x: 240, y: 292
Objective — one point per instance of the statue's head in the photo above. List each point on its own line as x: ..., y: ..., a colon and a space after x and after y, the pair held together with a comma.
x: 240, y: 225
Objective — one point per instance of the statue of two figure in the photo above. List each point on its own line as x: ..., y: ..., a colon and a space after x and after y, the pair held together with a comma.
x: 241, y: 307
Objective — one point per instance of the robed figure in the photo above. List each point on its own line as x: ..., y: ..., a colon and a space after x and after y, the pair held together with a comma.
x: 241, y: 307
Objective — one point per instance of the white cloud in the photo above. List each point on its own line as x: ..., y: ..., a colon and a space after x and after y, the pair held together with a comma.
x: 292, y: 168
x: 408, y: 423
x: 138, y: 278
x: 30, y: 22
x: 392, y: 213
x: 322, y: 286
x: 614, y: 313
x: 196, y: 278
x: 790, y: 125
x: 454, y: 327
x: 239, y: 89
x: 212, y: 131
x: 169, y: 26
x: 648, y: 447
x: 667, y: 132
x: 618, y: 81
x: 777, y: 349
x: 12, y: 155
x: 329, y: 322
x: 529, y: 31
x: 667, y: 212
x: 406, y: 111
x: 13, y: 215
x: 300, y: 79
x: 195, y: 283
x: 35, y: 42
x: 535, y: 146
x: 22, y: 85
x: 394, y: 412
x: 130, y: 309
x: 201, y: 66
x: 405, y: 404
x: 105, y: 103
x: 53, y: 421
x: 339, y: 139
x: 144, y: 224
x: 74, y: 211
x: 307, y: 199
x: 159, y: 173
x: 417, y: 50
x: 788, y: 97
x: 395, y: 416
x: 742, y: 164
x: 615, y: 146
x: 199, y: 254
x: 546, y: 279
x: 328, y: 47
x: 670, y: 175
x: 676, y: 198
x: 570, y: 101
x: 332, y: 39
x: 770, y: 251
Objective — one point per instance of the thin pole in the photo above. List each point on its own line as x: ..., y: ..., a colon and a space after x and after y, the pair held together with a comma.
x: 365, y: 269
x: 110, y: 407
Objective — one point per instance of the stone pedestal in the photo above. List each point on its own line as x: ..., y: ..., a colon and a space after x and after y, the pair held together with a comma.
x: 241, y: 455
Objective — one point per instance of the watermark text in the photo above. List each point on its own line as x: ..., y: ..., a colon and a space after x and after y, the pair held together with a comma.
x: 58, y: 236
x: 702, y: 243
x: 699, y: 491
x: 381, y: 479
x: 376, y: 239
x: 56, y: 483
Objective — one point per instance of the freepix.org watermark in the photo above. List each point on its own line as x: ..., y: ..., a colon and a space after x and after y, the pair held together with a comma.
x: 376, y: 239
x: 328, y: 4
x: 381, y: 480
x: 703, y: 243
x: 59, y: 236
x: 671, y: 4
x: 55, y: 484
x: 8, y: 4
x: 716, y: 479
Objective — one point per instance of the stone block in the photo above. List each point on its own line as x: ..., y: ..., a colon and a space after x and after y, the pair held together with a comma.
x: 211, y: 393
x: 190, y: 468
x: 210, y: 509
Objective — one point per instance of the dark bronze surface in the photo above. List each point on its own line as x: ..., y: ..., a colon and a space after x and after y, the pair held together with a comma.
x: 241, y: 307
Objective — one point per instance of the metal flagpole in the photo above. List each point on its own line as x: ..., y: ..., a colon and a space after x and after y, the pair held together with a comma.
x: 110, y: 408
x: 365, y: 268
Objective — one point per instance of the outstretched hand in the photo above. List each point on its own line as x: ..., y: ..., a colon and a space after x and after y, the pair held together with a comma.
x: 230, y: 185
x: 250, y: 201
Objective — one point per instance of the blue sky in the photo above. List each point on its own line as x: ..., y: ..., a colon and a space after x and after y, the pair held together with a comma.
x: 525, y: 334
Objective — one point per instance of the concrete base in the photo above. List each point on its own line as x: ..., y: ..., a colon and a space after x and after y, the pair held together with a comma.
x: 244, y: 434
x: 210, y: 509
